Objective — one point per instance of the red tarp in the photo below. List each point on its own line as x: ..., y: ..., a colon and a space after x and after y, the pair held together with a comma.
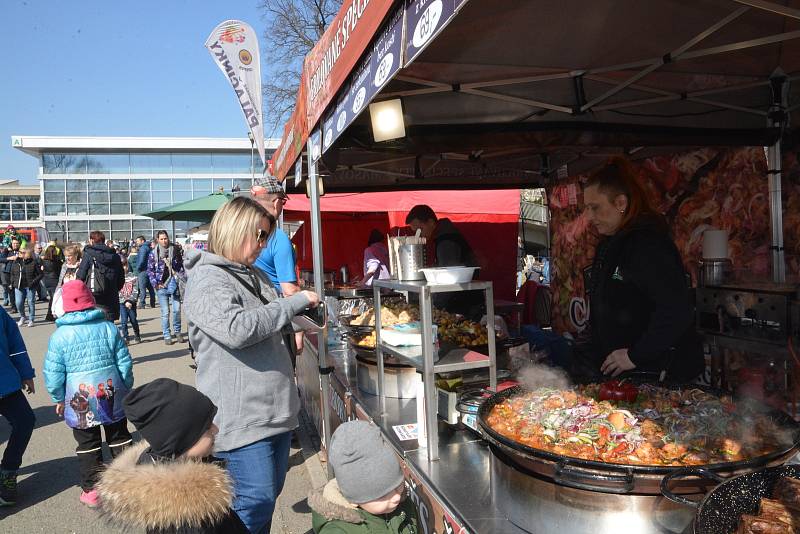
x: 488, y: 220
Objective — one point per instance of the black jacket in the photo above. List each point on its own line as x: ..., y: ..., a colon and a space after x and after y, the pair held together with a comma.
x: 26, y: 273
x: 7, y: 264
x: 640, y: 300
x: 451, y: 247
x: 177, y: 497
x: 109, y: 263
x: 52, y: 271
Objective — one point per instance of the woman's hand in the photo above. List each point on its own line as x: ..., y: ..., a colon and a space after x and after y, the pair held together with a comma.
x: 313, y: 298
x: 617, y: 362
x: 60, y: 409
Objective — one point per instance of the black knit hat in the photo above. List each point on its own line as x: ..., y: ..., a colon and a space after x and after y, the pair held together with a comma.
x: 169, y: 415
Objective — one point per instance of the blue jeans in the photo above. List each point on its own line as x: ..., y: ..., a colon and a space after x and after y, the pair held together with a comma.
x: 124, y: 315
x: 28, y: 294
x: 144, y: 287
x: 15, y: 408
x: 164, y: 299
x: 258, y: 471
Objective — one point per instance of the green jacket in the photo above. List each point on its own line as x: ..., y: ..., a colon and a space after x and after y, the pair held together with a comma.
x: 333, y: 514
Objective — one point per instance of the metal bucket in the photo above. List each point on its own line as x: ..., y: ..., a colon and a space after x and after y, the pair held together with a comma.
x: 714, y: 272
x: 411, y: 258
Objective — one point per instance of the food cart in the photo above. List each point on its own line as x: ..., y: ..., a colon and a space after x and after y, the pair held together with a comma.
x: 508, y: 94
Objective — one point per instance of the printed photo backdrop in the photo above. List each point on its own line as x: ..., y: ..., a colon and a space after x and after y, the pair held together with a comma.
x: 695, y: 190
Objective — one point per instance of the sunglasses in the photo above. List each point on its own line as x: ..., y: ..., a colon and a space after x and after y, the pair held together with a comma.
x: 262, y: 236
x: 283, y: 199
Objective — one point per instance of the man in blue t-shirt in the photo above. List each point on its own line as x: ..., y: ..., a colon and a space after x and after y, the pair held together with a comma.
x: 277, y: 259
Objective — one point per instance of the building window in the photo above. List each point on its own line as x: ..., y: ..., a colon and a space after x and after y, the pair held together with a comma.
x: 63, y: 163
x: 99, y: 208
x: 55, y: 210
x: 57, y: 230
x: 140, y: 185
x: 54, y: 185
x: 119, y: 185
x: 140, y: 196
x: 224, y: 183
x: 181, y: 196
x: 191, y: 164
x: 76, y: 184
x: 78, y: 208
x: 140, y: 208
x: 120, y: 196
x: 108, y: 163
x: 161, y: 199
x: 97, y: 184
x: 161, y: 185
x: 5, y: 211
x: 121, y: 209
x: 55, y: 197
x: 79, y: 197
x: 233, y: 163
x: 151, y: 163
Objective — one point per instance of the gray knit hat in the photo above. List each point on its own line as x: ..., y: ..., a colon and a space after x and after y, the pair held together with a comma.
x: 365, y: 467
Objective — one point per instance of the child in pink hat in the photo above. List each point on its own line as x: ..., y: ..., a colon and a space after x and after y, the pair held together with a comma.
x: 88, y: 372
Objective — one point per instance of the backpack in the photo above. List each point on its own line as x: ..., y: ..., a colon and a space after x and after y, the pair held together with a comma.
x: 96, y: 280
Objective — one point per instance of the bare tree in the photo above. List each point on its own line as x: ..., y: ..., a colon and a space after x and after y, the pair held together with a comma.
x: 292, y: 28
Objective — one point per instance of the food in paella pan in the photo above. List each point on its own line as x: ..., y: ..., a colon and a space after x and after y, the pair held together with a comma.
x: 637, y: 425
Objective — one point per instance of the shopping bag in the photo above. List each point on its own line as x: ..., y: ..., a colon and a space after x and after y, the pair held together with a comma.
x: 57, y: 304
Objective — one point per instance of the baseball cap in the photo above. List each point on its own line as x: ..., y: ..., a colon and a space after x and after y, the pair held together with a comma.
x: 267, y: 185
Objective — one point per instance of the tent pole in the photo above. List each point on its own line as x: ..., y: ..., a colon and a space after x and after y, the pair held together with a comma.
x: 777, y: 118
x: 319, y: 286
x: 774, y: 164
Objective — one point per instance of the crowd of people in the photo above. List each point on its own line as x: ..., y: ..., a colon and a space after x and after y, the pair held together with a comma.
x: 217, y: 454
x: 119, y: 275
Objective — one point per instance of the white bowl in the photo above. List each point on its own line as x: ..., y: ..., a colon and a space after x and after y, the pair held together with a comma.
x: 448, y: 275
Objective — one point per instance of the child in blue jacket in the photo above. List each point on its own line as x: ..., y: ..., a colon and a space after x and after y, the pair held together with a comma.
x: 16, y: 373
x: 88, y: 372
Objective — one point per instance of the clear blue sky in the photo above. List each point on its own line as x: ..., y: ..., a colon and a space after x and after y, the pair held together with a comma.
x: 114, y: 68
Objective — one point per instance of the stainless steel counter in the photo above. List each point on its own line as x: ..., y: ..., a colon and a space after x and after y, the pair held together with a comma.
x: 460, y: 478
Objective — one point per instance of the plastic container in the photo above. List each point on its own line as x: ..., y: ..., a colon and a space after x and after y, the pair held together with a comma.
x: 448, y: 275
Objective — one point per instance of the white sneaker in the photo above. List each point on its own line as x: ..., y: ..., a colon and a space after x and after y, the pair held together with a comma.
x: 21, y: 321
x: 30, y: 323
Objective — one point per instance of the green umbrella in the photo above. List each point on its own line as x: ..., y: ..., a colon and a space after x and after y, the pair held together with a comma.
x: 200, y: 209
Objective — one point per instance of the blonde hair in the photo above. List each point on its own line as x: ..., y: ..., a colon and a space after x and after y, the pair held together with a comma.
x: 233, y: 224
x: 73, y: 250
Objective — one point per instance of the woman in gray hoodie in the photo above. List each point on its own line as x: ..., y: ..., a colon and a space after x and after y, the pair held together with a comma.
x: 236, y: 326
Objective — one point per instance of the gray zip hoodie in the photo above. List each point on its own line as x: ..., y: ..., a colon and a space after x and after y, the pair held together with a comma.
x: 243, y: 365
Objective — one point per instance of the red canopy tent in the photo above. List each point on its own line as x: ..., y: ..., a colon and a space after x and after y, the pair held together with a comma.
x: 488, y: 220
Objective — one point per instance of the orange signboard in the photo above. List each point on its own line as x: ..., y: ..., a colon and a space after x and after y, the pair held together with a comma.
x: 330, y: 61
x: 325, y: 69
x: 295, y: 133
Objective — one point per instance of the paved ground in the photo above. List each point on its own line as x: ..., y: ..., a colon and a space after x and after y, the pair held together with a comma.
x: 49, y: 475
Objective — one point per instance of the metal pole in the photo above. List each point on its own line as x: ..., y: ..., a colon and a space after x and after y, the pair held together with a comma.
x: 777, y: 119
x: 775, y: 167
x: 252, y: 158
x: 319, y: 286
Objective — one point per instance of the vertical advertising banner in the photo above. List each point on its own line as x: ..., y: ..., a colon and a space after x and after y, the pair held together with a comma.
x: 234, y: 47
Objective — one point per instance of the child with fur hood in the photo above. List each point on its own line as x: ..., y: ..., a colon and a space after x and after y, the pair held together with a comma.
x: 367, y: 495
x: 88, y: 371
x: 168, y: 483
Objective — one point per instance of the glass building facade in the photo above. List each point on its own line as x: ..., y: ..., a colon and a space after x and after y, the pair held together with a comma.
x: 110, y: 190
x: 18, y: 208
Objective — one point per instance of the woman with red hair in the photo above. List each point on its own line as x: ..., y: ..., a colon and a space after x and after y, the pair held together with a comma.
x: 641, y: 315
